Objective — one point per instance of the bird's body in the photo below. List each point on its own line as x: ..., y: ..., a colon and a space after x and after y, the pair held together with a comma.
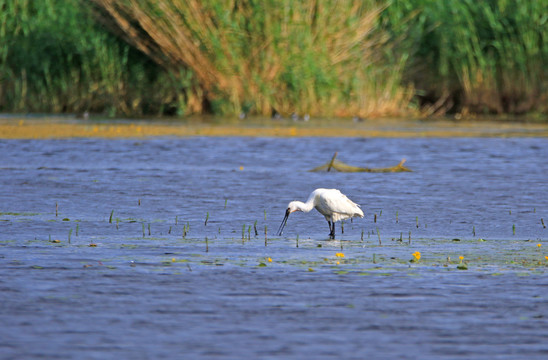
x: 331, y: 203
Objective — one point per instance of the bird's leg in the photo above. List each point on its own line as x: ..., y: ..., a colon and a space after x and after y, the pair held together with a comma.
x: 332, y: 233
x: 330, y: 228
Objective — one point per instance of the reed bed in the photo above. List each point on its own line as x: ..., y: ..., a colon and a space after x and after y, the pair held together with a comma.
x: 486, y: 57
x: 54, y: 58
x: 346, y: 58
x: 309, y: 57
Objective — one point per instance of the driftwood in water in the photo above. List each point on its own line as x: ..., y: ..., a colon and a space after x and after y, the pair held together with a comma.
x: 342, y: 167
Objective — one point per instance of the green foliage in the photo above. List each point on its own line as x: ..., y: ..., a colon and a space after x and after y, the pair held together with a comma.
x: 321, y: 57
x: 54, y: 57
x: 479, y: 56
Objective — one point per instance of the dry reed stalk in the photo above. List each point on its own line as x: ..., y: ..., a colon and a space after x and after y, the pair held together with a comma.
x: 310, y: 57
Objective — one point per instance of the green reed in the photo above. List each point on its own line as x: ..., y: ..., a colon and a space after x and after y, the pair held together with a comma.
x: 54, y: 57
x: 324, y: 58
x: 473, y: 56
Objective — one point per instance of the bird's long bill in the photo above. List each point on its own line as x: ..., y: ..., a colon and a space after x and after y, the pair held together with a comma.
x: 284, y: 221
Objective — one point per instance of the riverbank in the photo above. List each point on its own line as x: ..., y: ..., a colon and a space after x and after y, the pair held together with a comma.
x: 57, y: 127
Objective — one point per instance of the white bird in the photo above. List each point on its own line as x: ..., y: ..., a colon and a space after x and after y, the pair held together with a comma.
x: 331, y: 203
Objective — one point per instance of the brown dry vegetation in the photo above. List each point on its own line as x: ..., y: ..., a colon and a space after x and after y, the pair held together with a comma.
x: 314, y: 57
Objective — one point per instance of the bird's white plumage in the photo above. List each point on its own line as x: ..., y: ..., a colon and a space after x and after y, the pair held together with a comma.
x: 331, y: 203
x: 334, y: 205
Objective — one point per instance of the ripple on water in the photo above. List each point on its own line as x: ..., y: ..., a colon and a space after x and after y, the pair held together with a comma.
x: 155, y: 293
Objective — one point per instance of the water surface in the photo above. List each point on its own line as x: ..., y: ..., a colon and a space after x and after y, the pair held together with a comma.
x: 157, y: 282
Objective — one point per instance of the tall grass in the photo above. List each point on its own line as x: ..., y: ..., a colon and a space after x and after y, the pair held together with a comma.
x: 474, y: 56
x: 54, y: 58
x: 321, y: 57
x: 317, y: 57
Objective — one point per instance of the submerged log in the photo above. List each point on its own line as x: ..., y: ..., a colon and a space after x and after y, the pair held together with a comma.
x: 343, y: 167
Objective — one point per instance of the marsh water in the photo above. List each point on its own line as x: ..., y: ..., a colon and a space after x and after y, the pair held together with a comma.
x: 156, y: 248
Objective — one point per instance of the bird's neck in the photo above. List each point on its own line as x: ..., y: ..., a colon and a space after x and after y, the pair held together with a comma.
x: 307, y: 206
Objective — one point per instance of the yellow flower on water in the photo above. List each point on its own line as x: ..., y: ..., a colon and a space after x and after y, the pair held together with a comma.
x: 461, y: 257
x: 173, y: 259
x: 546, y: 257
x: 539, y: 245
x: 341, y: 255
x: 241, y: 167
x: 269, y: 259
x: 338, y: 263
x: 417, y: 255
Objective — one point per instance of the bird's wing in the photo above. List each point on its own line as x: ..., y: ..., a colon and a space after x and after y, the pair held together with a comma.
x: 333, y: 201
x: 324, y: 205
x: 357, y: 211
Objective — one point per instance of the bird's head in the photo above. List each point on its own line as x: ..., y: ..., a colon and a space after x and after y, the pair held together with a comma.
x: 291, y: 207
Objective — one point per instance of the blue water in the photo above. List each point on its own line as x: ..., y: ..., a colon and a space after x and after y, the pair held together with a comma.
x: 143, y: 290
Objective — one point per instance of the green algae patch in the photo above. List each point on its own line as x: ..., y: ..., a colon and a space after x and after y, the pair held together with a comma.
x: 10, y: 213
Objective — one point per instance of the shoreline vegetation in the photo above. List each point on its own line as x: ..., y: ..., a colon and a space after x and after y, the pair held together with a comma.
x: 339, y: 59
